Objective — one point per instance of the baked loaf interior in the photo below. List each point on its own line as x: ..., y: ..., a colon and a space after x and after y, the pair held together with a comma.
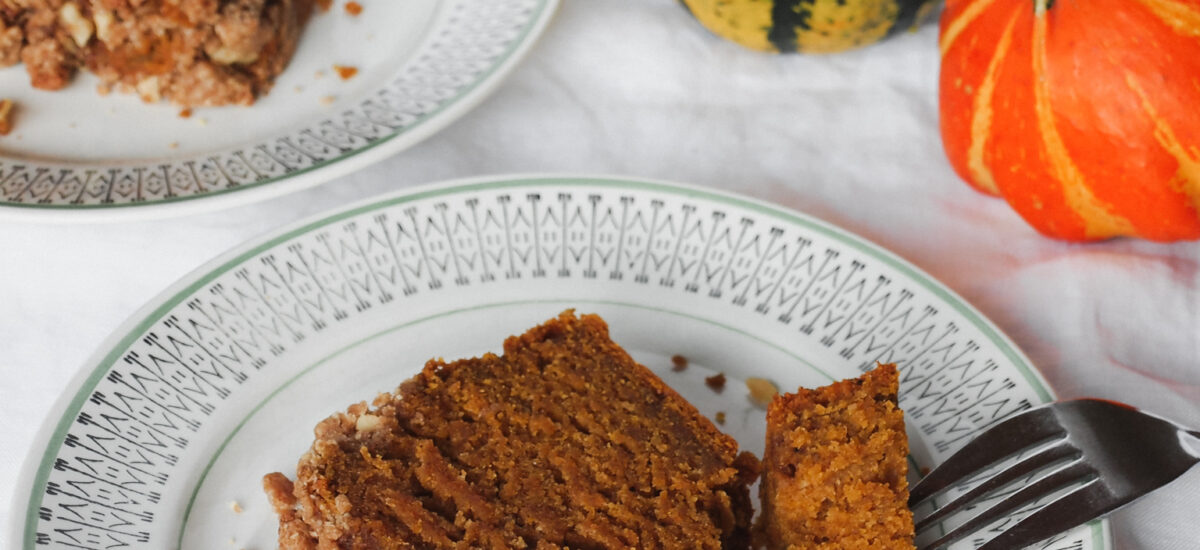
x: 561, y: 442
x: 835, y: 467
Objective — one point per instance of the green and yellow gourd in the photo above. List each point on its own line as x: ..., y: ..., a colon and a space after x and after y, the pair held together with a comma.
x: 808, y: 26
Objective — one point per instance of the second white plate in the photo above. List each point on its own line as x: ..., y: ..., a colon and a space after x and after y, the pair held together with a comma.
x: 75, y: 155
x: 222, y: 378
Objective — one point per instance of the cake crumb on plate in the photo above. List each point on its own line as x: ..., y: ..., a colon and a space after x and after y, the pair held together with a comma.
x: 716, y: 382
x: 762, y: 391
x: 6, y: 117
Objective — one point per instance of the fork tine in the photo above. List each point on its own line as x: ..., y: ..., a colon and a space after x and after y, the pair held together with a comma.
x: 1040, y: 487
x: 1028, y: 465
x: 994, y: 444
x: 1074, y: 508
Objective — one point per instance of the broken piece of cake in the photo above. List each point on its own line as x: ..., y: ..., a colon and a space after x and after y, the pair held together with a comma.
x: 561, y: 442
x: 835, y: 467
x: 189, y: 52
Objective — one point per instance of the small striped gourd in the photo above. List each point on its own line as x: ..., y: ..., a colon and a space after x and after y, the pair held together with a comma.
x: 1083, y: 114
x: 808, y: 26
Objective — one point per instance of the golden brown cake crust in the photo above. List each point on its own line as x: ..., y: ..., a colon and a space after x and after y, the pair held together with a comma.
x: 563, y: 441
x: 834, y: 468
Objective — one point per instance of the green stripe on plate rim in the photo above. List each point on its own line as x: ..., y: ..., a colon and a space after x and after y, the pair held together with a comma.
x: 517, y: 43
x: 862, y: 245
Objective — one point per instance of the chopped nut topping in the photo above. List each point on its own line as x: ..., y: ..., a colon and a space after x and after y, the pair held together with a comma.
x: 232, y: 56
x: 367, y: 422
x: 79, y: 27
x: 160, y: 50
x: 149, y: 88
x: 104, y: 24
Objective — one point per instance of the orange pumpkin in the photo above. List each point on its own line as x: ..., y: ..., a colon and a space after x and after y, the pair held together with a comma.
x: 1083, y: 114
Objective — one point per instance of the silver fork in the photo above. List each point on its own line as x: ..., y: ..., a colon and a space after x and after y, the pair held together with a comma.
x: 1115, y: 452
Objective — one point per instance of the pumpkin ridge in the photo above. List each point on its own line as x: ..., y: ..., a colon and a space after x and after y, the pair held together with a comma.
x: 807, y: 26
x: 956, y: 27
x: 1083, y: 113
x: 824, y: 26
x: 1189, y: 163
x: 1180, y: 17
x: 1098, y: 219
x: 911, y: 16
x: 745, y: 23
x: 981, y: 119
x: 786, y: 16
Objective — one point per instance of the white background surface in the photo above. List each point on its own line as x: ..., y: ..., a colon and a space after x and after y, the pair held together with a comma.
x: 639, y: 89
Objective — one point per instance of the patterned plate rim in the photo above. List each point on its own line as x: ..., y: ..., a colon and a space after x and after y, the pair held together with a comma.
x: 35, y: 469
x: 426, y: 124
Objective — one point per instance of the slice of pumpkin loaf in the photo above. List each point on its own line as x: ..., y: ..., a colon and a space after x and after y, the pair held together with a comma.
x: 834, y: 470
x: 562, y: 441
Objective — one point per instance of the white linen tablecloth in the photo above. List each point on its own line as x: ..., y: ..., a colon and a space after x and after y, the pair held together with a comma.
x: 640, y: 89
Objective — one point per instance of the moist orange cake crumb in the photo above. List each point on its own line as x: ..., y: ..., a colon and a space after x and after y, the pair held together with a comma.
x: 346, y: 72
x: 561, y: 442
x: 834, y: 470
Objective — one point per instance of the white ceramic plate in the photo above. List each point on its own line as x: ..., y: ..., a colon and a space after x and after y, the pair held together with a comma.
x: 75, y: 155
x: 222, y: 378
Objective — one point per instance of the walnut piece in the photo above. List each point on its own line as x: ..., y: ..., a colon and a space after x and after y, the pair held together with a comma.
x: 11, y: 40
x: 72, y: 20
